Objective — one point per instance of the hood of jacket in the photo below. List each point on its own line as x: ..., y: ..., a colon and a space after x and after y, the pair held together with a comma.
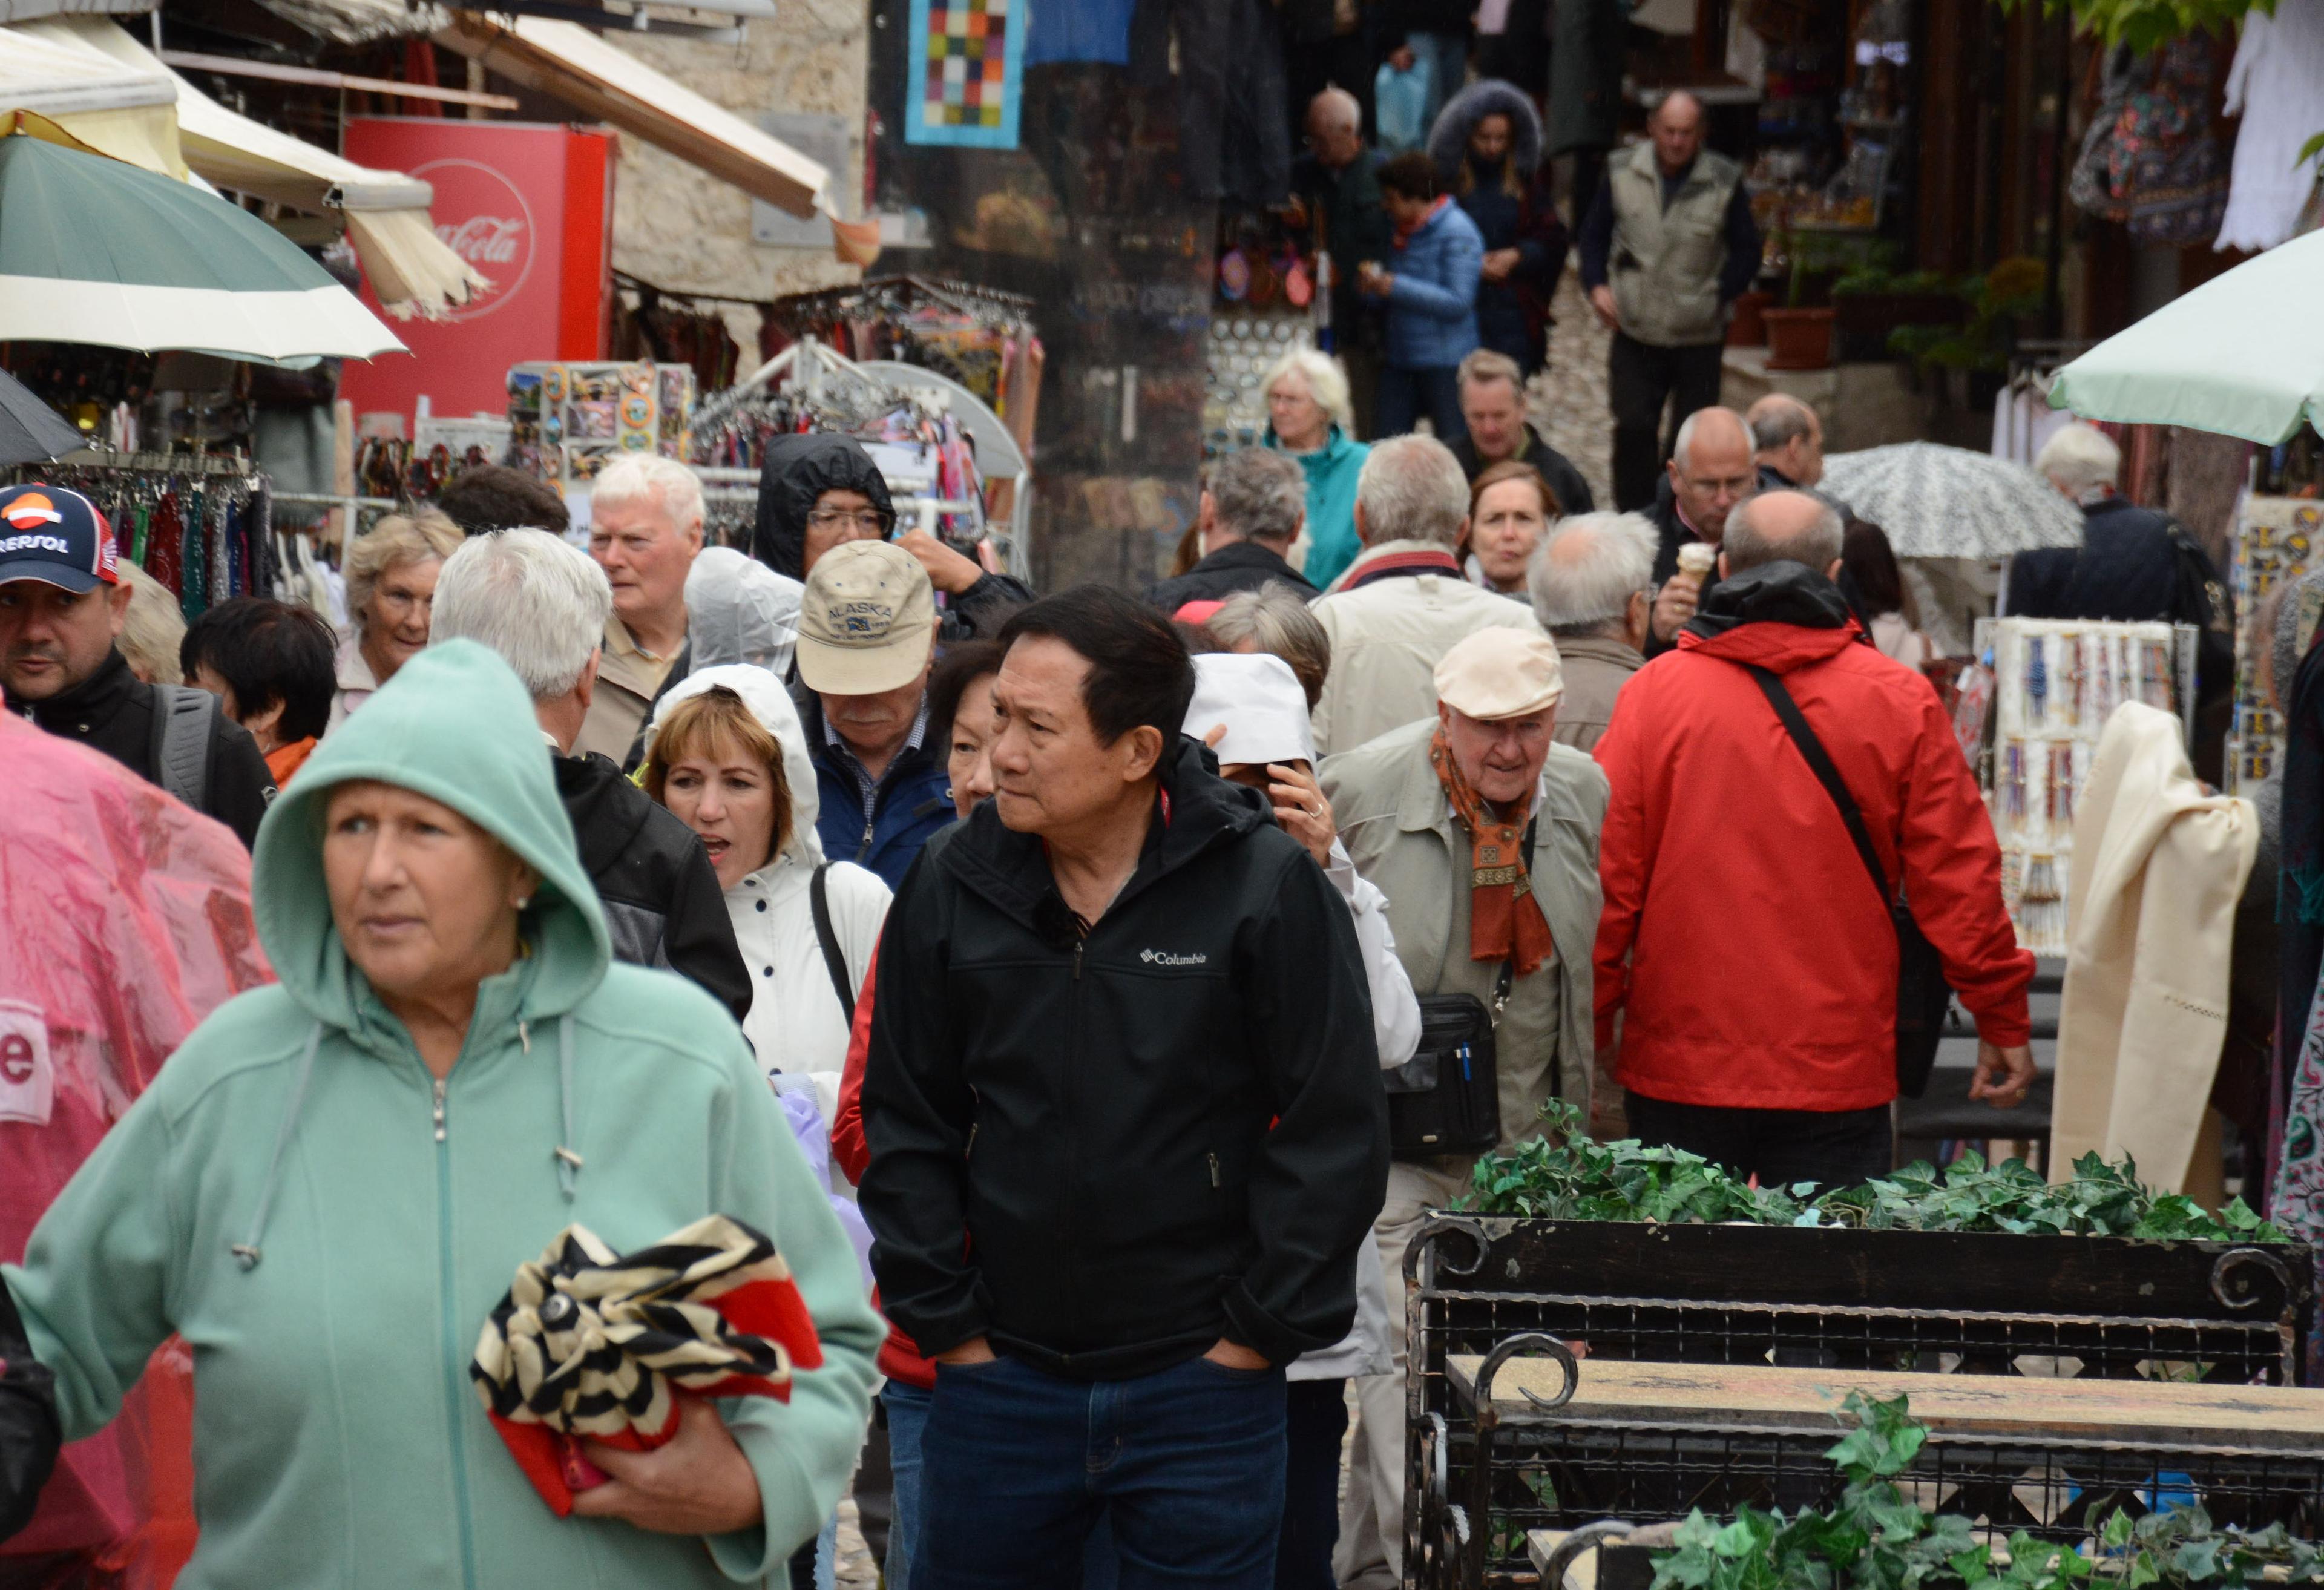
x: 739, y: 610
x: 1448, y: 140
x: 605, y: 825
x: 771, y: 705
x: 1780, y: 615
x: 1011, y: 869
x: 797, y: 470
x: 455, y: 725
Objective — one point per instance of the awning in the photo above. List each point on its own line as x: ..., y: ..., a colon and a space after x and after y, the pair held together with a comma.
x: 411, y: 269
x: 575, y: 65
x: 127, y: 111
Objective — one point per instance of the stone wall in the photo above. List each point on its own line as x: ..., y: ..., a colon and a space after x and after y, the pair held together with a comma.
x: 680, y: 229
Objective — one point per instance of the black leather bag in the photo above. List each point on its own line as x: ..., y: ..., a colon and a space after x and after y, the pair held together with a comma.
x: 1922, y: 995
x: 1447, y: 1098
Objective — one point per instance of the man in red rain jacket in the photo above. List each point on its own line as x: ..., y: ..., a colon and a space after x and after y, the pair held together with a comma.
x: 1744, y: 945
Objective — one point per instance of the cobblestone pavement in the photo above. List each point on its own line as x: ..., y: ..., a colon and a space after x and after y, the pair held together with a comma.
x: 1567, y: 402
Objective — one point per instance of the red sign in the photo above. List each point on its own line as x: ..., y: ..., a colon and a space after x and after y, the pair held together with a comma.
x: 530, y: 208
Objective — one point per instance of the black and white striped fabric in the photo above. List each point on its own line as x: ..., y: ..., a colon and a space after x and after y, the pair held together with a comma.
x: 589, y: 1343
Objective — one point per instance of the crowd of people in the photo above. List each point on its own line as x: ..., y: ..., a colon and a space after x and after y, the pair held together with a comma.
x: 1033, y: 972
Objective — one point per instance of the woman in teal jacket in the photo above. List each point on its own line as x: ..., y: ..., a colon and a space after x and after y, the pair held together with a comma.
x: 332, y: 1182
x: 1308, y: 416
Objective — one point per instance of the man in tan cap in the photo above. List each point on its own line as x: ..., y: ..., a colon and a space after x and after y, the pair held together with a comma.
x: 867, y: 637
x: 1483, y: 834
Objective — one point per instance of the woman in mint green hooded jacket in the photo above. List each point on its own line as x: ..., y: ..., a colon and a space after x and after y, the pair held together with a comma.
x: 328, y: 1227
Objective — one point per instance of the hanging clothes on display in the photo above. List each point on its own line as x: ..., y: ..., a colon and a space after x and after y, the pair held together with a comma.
x: 2277, y: 86
x: 202, y: 526
x: 963, y: 332
x: 2150, y: 158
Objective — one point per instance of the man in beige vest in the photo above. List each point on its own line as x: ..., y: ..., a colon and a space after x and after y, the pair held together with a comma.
x: 1429, y: 812
x: 645, y: 526
x: 1667, y: 247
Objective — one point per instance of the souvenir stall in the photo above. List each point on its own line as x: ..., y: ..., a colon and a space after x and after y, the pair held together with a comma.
x: 567, y: 420
x: 978, y: 337
x: 1265, y: 304
x: 2030, y: 721
x: 950, y: 462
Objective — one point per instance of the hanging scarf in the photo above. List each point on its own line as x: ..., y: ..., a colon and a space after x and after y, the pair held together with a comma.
x: 1505, y: 919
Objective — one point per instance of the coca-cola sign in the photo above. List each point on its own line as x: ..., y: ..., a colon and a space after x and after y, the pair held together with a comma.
x: 482, y: 217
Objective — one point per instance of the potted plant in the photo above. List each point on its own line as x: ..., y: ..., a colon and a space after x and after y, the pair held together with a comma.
x: 1972, y: 351
x: 1874, y: 299
x: 1799, y: 336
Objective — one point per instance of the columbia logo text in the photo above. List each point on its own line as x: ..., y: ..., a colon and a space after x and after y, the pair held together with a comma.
x: 1163, y: 957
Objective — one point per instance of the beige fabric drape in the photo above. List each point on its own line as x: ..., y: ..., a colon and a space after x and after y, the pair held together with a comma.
x: 2158, y: 868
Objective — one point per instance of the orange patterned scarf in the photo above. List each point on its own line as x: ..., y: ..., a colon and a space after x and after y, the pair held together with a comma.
x: 1505, y: 919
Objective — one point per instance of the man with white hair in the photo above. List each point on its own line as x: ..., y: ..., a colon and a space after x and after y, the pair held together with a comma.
x: 2136, y: 565
x: 543, y: 604
x: 1253, y: 505
x: 1404, y: 603
x: 1747, y: 947
x: 645, y: 526
x: 1337, y: 184
x: 1592, y: 586
x: 1482, y: 833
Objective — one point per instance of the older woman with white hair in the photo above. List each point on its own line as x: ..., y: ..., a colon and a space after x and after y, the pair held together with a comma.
x: 391, y: 573
x: 1308, y: 416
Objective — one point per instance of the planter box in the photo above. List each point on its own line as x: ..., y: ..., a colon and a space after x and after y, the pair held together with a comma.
x: 1799, y: 339
x: 1749, y: 327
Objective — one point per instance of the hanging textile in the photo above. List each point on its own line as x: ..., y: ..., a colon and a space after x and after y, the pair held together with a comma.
x: 966, y: 72
x: 2277, y: 86
x: 200, y: 525
x: 2150, y: 158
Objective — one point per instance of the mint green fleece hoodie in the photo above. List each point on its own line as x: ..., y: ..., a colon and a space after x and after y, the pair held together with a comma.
x: 337, y: 1439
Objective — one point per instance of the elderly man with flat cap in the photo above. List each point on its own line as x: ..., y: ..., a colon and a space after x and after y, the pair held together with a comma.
x: 1482, y: 832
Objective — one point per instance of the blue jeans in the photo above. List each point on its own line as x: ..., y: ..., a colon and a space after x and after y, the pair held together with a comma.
x: 1405, y: 395
x: 907, y: 1406
x: 1018, y: 1465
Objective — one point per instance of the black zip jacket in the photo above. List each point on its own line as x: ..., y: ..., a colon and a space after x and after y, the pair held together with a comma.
x: 1103, y: 1154
x: 1239, y: 566
x: 112, y: 711
x: 795, y: 472
x: 661, y: 894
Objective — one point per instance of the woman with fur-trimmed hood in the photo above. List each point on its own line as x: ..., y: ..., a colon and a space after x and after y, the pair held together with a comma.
x: 1488, y: 149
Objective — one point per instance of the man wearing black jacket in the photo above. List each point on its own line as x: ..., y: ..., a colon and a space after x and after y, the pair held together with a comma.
x: 62, y: 606
x: 1126, y: 1127
x: 543, y: 605
x: 1253, y: 504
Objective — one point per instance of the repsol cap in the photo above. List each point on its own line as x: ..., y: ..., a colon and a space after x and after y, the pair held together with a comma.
x: 56, y: 537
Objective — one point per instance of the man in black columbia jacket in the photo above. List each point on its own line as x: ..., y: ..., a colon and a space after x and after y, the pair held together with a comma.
x: 1127, y: 1126
x: 543, y: 605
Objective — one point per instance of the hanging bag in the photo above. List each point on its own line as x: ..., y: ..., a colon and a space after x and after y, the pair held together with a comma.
x: 1922, y: 995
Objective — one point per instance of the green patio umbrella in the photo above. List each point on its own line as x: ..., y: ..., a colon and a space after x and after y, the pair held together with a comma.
x: 95, y: 250
x: 2243, y: 355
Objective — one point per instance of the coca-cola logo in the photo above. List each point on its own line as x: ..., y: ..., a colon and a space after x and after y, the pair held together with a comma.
x: 482, y: 217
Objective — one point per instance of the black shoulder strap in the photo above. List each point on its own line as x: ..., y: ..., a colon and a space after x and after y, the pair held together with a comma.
x: 1820, y: 763
x: 819, y: 897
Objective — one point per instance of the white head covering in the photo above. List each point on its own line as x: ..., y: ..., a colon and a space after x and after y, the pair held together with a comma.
x: 1259, y: 698
x: 739, y: 610
x: 770, y: 704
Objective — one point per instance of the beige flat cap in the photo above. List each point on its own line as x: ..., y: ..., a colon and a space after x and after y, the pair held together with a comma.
x: 1500, y: 673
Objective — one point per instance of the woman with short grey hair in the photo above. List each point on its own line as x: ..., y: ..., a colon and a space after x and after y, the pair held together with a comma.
x: 1275, y: 619
x: 391, y: 574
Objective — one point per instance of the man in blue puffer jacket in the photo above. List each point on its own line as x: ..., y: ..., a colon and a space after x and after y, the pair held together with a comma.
x: 1431, y: 293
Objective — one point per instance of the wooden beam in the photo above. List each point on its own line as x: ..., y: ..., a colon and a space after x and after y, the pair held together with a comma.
x: 315, y: 77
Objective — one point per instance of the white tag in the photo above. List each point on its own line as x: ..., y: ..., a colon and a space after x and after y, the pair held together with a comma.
x: 27, y: 1083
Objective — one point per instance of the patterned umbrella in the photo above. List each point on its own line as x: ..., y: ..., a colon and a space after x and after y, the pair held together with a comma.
x: 1939, y: 501
x: 591, y: 1344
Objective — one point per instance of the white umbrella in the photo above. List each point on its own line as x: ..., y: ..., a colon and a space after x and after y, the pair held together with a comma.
x: 1941, y: 502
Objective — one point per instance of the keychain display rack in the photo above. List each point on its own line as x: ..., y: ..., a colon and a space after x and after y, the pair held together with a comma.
x: 2056, y: 682
x: 2276, y: 540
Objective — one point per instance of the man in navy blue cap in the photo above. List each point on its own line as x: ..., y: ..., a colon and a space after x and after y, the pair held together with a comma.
x: 62, y: 604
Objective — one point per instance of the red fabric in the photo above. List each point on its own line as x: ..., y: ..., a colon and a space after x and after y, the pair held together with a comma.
x: 900, y: 1356
x: 1742, y: 940
x: 1197, y: 612
x: 125, y: 919
x: 1404, y: 233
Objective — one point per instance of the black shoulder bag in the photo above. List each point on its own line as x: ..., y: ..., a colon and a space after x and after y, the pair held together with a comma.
x: 819, y: 899
x: 1447, y: 1098
x: 1922, y: 993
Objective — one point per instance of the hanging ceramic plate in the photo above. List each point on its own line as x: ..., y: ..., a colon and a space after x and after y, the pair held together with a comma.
x: 1298, y: 286
x: 1234, y: 276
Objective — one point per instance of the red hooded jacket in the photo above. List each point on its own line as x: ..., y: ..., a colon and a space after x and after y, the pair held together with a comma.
x: 1742, y: 938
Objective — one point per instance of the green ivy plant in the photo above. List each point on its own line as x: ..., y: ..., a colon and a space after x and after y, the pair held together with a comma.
x: 1568, y: 1175
x: 2144, y: 23
x: 1876, y: 1539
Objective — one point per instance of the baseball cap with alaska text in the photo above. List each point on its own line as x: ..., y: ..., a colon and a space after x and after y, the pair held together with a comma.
x: 56, y: 537
x: 867, y: 620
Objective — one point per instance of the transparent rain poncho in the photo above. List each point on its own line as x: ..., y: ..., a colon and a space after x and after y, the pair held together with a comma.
x: 125, y: 919
x: 739, y: 610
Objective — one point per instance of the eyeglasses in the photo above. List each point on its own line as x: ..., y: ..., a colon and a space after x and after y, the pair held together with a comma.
x: 870, y: 520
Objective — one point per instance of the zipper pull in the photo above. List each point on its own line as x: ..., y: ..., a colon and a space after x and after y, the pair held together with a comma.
x: 439, y: 1109
x: 1214, y: 1170
x: 524, y: 1034
x: 1078, y: 945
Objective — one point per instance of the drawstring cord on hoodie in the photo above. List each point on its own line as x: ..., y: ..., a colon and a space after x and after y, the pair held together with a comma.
x: 248, y: 1254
